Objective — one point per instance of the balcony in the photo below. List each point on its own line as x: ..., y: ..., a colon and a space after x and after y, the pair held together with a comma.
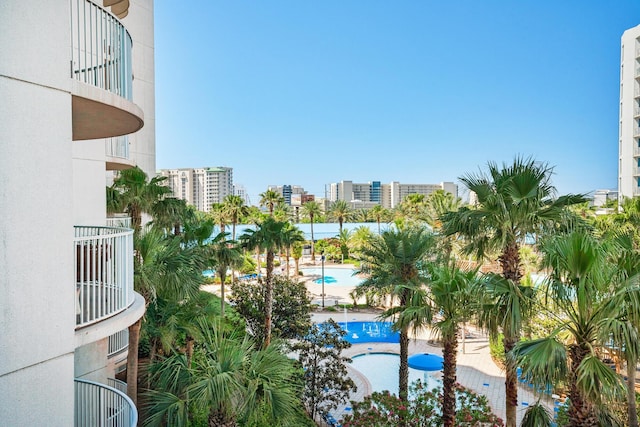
x: 117, y: 153
x: 98, y: 405
x: 104, y: 273
x: 102, y: 74
x: 122, y: 220
x: 118, y: 342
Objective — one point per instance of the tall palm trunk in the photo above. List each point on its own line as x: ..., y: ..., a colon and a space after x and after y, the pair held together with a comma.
x: 510, y: 263
x: 132, y: 361
x: 450, y: 353
x: 631, y: 392
x: 223, y: 278
x: 313, y: 243
x: 288, y: 262
x: 632, y: 409
x: 403, y: 389
x: 581, y: 412
x: 403, y: 381
x: 268, y: 298
x: 511, y: 381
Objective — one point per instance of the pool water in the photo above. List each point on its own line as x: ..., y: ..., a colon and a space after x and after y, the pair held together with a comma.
x: 363, y: 332
x: 333, y: 276
x: 381, y: 369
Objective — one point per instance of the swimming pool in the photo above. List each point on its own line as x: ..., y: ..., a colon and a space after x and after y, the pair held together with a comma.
x: 363, y: 332
x: 381, y: 369
x: 333, y: 276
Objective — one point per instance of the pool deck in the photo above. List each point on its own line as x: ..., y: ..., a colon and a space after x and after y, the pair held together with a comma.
x: 476, y: 369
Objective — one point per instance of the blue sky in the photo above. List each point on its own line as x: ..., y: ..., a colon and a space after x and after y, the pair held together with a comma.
x: 308, y: 93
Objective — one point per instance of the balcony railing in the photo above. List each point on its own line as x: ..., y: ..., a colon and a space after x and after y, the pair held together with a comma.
x: 117, y: 147
x: 104, y: 272
x: 98, y: 405
x: 100, y: 49
x: 119, y: 221
x: 118, y: 342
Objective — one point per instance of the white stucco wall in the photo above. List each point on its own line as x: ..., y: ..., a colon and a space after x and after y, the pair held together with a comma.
x: 36, y: 231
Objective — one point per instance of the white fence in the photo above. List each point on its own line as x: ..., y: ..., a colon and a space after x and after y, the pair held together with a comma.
x: 104, y: 272
x: 98, y: 405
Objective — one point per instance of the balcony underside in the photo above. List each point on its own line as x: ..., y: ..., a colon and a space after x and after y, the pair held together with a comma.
x: 118, y: 164
x: 99, y: 114
x: 111, y: 325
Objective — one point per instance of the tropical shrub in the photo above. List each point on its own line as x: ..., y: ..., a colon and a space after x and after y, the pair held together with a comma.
x: 421, y: 410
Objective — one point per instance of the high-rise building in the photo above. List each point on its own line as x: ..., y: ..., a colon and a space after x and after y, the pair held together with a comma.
x: 200, y: 187
x: 66, y: 289
x: 241, y: 191
x: 373, y: 193
x: 288, y: 191
x: 629, y: 131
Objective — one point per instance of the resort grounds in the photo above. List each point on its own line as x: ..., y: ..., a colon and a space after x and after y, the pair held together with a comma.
x: 476, y: 369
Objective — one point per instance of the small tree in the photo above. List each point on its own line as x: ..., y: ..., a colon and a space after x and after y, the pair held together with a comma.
x: 327, y: 384
x: 291, y: 316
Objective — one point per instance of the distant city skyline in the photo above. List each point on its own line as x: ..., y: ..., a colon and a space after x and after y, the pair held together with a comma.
x: 419, y: 92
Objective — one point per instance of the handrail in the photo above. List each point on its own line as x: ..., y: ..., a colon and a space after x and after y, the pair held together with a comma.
x: 118, y: 147
x: 119, y: 220
x: 99, y: 405
x: 103, y: 264
x: 100, y: 49
x: 118, y: 342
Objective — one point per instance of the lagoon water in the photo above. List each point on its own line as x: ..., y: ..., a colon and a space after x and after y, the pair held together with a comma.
x: 321, y: 230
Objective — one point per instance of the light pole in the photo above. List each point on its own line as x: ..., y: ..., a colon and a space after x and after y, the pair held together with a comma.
x: 322, y: 259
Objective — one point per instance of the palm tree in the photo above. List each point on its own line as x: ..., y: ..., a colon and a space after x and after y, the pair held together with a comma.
x: 270, y: 199
x: 379, y: 214
x: 312, y: 210
x: 581, y: 289
x: 394, y: 259
x: 162, y: 267
x: 236, y: 209
x: 169, y: 214
x: 268, y: 237
x: 513, y: 201
x: 450, y: 295
x: 219, y: 215
x: 291, y: 235
x: 341, y: 212
x: 282, y: 212
x: 224, y: 254
x: 229, y: 382
x: 133, y: 193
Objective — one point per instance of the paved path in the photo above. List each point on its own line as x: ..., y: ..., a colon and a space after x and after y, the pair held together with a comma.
x: 476, y: 369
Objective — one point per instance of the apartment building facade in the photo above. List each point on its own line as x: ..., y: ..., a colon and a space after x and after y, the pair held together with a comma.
x: 72, y: 112
x: 629, y: 125
x: 366, y: 195
x: 200, y: 187
x: 290, y: 193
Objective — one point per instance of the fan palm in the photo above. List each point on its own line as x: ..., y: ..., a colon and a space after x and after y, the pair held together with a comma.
x: 513, y: 201
x: 312, y: 210
x: 394, y: 259
x: 224, y: 254
x: 169, y: 214
x: 134, y: 193
x: 268, y: 237
x: 291, y: 236
x: 379, y: 214
x: 270, y: 199
x: 229, y: 381
x: 341, y: 212
x: 162, y: 268
x: 450, y: 295
x: 580, y: 286
x: 236, y: 209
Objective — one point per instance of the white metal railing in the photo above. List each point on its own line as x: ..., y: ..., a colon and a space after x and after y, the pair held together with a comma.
x: 636, y: 111
x: 636, y: 151
x: 636, y: 131
x: 123, y: 221
x: 98, y: 405
x: 100, y: 49
x: 117, y: 384
x: 118, y: 147
x: 118, y: 342
x: 104, y: 272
